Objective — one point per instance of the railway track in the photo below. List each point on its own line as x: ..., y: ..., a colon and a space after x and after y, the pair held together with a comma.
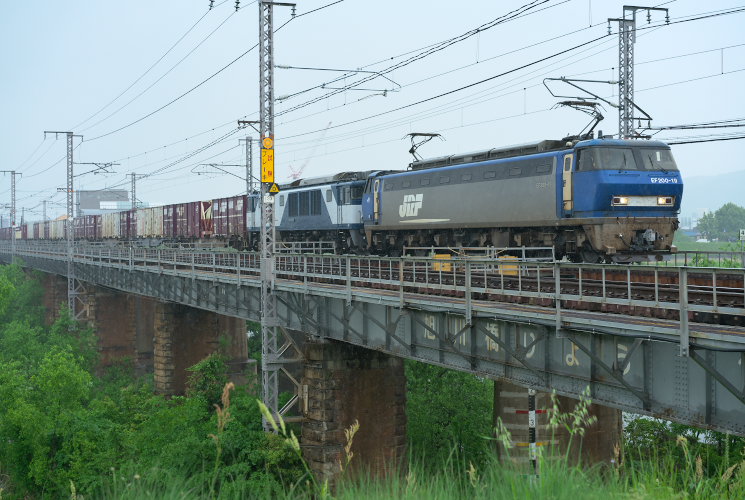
x: 629, y: 291
x: 713, y: 296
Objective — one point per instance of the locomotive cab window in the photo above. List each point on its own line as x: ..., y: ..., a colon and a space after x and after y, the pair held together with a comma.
x: 607, y: 159
x: 657, y: 159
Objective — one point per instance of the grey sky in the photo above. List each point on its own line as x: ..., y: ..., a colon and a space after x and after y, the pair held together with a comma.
x: 64, y: 61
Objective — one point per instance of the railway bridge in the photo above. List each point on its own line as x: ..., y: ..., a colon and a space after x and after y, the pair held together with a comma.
x: 663, y: 342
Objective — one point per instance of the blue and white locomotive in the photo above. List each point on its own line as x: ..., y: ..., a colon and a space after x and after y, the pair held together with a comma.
x: 318, y: 209
x: 592, y: 200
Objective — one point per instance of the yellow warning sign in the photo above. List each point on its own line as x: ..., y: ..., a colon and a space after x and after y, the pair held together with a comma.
x: 267, y: 165
x: 274, y: 189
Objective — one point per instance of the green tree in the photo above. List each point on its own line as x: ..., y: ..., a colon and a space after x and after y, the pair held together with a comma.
x: 724, y: 224
x: 448, y: 411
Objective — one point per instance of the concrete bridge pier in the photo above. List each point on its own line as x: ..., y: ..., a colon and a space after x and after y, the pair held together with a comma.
x: 344, y: 383
x: 601, y: 443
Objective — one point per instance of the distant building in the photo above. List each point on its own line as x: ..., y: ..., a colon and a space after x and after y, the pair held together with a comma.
x: 102, y: 201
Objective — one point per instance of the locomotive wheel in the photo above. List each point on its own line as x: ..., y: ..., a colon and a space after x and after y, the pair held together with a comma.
x: 591, y: 256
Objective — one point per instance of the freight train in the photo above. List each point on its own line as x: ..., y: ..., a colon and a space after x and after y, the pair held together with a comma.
x: 591, y: 200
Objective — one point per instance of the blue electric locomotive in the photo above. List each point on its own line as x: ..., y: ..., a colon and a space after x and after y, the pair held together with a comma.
x: 592, y: 200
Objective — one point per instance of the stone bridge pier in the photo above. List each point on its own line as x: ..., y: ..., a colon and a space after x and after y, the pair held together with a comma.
x: 157, y: 337
x: 600, y: 442
x: 344, y: 384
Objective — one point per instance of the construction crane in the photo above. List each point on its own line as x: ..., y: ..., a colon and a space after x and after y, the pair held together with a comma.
x: 297, y: 172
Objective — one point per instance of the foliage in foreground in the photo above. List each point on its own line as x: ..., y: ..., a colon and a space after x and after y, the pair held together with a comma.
x: 61, y: 426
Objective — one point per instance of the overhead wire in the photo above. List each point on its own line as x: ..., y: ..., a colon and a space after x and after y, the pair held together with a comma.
x: 442, y: 45
x: 147, y: 71
x: 163, y: 75
x: 691, y: 18
x: 198, y: 85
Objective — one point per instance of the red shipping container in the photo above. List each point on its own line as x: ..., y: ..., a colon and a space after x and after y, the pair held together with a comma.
x: 79, y: 228
x: 46, y: 229
x: 181, y: 220
x: 220, y: 217
x: 237, y: 216
x: 169, y: 221
x: 37, y: 232
x: 206, y: 222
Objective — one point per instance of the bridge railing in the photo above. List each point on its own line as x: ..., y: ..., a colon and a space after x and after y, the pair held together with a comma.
x: 694, y: 258
x: 662, y: 292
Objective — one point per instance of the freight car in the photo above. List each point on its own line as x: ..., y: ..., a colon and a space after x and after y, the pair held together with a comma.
x: 592, y: 200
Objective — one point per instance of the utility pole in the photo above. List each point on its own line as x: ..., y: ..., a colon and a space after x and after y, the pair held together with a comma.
x: 69, y: 223
x: 133, y: 190
x: 626, y: 40
x: 249, y: 164
x: 13, y: 175
x: 270, y: 362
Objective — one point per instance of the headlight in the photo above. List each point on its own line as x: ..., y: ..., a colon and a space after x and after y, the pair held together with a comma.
x: 664, y: 200
x: 620, y: 200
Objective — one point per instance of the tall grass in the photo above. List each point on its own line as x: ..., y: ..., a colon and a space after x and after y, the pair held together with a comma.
x: 659, y: 476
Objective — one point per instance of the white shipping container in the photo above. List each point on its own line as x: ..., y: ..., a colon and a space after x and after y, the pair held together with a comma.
x: 150, y: 222
x: 57, y: 229
x: 110, y: 225
x: 29, y: 230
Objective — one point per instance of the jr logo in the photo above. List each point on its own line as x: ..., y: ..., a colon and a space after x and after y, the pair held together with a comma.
x: 411, y: 205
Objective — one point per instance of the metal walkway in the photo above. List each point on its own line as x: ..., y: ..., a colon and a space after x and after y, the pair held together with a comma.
x: 548, y: 326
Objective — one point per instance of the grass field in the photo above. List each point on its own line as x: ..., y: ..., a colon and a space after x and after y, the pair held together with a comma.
x: 686, y: 243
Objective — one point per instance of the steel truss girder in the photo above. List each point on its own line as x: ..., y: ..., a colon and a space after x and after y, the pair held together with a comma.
x: 704, y: 390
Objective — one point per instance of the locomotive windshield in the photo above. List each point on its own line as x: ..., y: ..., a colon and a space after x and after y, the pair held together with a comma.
x: 657, y: 159
x: 626, y: 159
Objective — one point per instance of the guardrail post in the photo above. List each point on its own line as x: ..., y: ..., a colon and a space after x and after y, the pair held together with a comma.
x: 305, y: 273
x: 131, y: 261
x: 401, y: 282
x: 160, y: 265
x: 683, y: 300
x: 349, y: 279
x: 557, y: 299
x: 238, y: 267
x: 469, y: 305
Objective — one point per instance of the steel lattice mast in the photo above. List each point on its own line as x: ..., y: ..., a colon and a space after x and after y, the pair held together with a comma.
x: 13, y: 174
x: 626, y: 41
x: 70, y: 222
x: 270, y: 355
